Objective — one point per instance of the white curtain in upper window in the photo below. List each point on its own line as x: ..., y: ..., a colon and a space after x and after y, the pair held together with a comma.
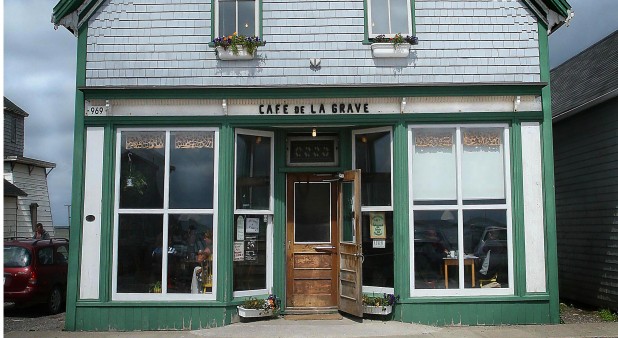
x: 434, y: 166
x: 482, y: 163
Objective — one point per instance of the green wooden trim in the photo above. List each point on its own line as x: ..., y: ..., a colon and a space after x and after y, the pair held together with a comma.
x: 311, y: 92
x: 517, y: 210
x: 474, y: 299
x: 77, y: 188
x: 158, y: 304
x: 225, y: 211
x: 107, y: 213
x: 551, y: 246
x: 271, y: 122
x: 366, y: 21
x: 401, y: 211
x: 279, y: 224
x: 313, y: 169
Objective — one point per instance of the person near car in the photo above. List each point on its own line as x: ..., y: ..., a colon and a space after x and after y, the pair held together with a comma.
x: 40, y: 232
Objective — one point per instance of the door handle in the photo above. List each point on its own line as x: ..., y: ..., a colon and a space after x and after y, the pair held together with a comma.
x: 329, y: 248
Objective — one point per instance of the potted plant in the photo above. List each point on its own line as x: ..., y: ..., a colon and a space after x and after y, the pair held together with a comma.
x: 237, y: 47
x: 155, y: 287
x: 379, y: 305
x: 253, y: 307
x: 396, y: 47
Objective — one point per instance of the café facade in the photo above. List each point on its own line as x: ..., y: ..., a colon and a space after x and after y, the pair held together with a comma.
x: 315, y: 169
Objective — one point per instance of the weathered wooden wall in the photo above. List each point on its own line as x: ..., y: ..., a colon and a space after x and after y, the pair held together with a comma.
x: 586, y: 168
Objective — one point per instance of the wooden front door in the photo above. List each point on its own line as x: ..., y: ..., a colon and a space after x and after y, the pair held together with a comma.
x: 311, y: 242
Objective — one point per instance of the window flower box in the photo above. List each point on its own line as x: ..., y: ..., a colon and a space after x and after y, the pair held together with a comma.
x: 395, y: 47
x: 254, y: 308
x: 237, y: 47
x: 227, y: 54
x: 378, y: 310
x: 379, y: 305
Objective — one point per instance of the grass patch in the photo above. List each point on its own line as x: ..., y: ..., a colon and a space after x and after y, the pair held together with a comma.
x: 608, y: 316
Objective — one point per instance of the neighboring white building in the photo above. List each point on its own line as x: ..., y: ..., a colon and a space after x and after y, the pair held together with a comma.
x: 26, y: 197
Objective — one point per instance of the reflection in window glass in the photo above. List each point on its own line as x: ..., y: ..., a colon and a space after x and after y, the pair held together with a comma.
x: 140, y: 239
x: 253, y: 160
x: 379, y: 17
x: 379, y: 258
x: 485, y: 235
x: 46, y: 256
x: 399, y: 16
x: 373, y: 157
x: 312, y: 214
x: 230, y: 23
x: 249, y: 252
x: 482, y: 164
x: 189, y: 254
x: 434, y: 165
x: 142, y: 158
x: 192, y: 156
x: 435, y: 246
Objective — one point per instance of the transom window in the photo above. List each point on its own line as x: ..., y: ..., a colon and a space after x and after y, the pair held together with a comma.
x: 165, y: 230
x: 372, y: 154
x: 389, y: 17
x: 461, y: 210
x: 237, y: 16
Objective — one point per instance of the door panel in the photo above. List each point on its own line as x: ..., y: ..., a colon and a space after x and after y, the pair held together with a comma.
x: 311, y: 240
x: 350, y: 248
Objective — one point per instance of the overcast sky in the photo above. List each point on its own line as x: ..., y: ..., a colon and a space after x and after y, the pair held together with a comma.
x: 39, y: 76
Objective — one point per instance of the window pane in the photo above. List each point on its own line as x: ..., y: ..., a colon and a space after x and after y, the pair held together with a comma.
x: 45, y: 256
x: 227, y: 17
x: 312, y: 212
x: 485, y: 235
x: 482, y: 164
x: 379, y: 260
x: 192, y: 170
x: 249, y: 252
x: 16, y: 257
x: 399, y: 17
x: 434, y: 165
x: 373, y: 157
x: 435, y: 236
x: 142, y: 158
x: 140, y: 239
x: 379, y: 17
x: 189, y: 254
x: 246, y: 18
x: 253, y: 172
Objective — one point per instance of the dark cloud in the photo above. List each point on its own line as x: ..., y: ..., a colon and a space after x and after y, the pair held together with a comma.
x: 39, y: 76
x: 594, y: 20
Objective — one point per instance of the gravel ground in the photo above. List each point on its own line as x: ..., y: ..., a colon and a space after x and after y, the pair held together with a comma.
x: 36, y: 319
x: 570, y: 314
x: 31, y: 319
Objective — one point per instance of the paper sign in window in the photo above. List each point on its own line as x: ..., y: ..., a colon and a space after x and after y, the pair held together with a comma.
x: 377, y: 225
x: 253, y: 225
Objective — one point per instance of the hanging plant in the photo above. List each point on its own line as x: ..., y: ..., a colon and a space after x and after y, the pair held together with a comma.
x: 134, y: 181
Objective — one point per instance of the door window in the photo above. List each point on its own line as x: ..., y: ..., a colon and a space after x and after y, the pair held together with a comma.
x: 373, y: 155
x: 312, y: 217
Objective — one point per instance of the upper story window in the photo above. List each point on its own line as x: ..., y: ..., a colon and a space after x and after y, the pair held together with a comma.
x: 12, y: 129
x: 389, y: 17
x: 237, y: 16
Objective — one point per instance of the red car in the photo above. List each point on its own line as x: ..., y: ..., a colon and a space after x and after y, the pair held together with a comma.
x: 35, y: 272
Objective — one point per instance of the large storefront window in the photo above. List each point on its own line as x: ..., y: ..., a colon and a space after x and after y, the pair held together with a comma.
x: 372, y: 154
x: 165, y: 229
x: 460, y: 201
x: 253, y: 232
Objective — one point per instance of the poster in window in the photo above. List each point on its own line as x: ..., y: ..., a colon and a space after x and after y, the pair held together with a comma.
x: 240, y: 228
x: 253, y: 225
x: 377, y: 225
x: 251, y: 248
x: 239, y: 251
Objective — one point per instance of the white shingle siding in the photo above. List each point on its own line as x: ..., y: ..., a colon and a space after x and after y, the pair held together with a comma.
x: 165, y: 43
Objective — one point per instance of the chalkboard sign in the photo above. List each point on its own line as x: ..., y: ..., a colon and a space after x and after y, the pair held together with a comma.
x: 312, y: 151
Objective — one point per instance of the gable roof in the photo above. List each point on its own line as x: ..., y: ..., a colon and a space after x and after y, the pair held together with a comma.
x: 73, y: 13
x: 585, y: 80
x: 13, y: 108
